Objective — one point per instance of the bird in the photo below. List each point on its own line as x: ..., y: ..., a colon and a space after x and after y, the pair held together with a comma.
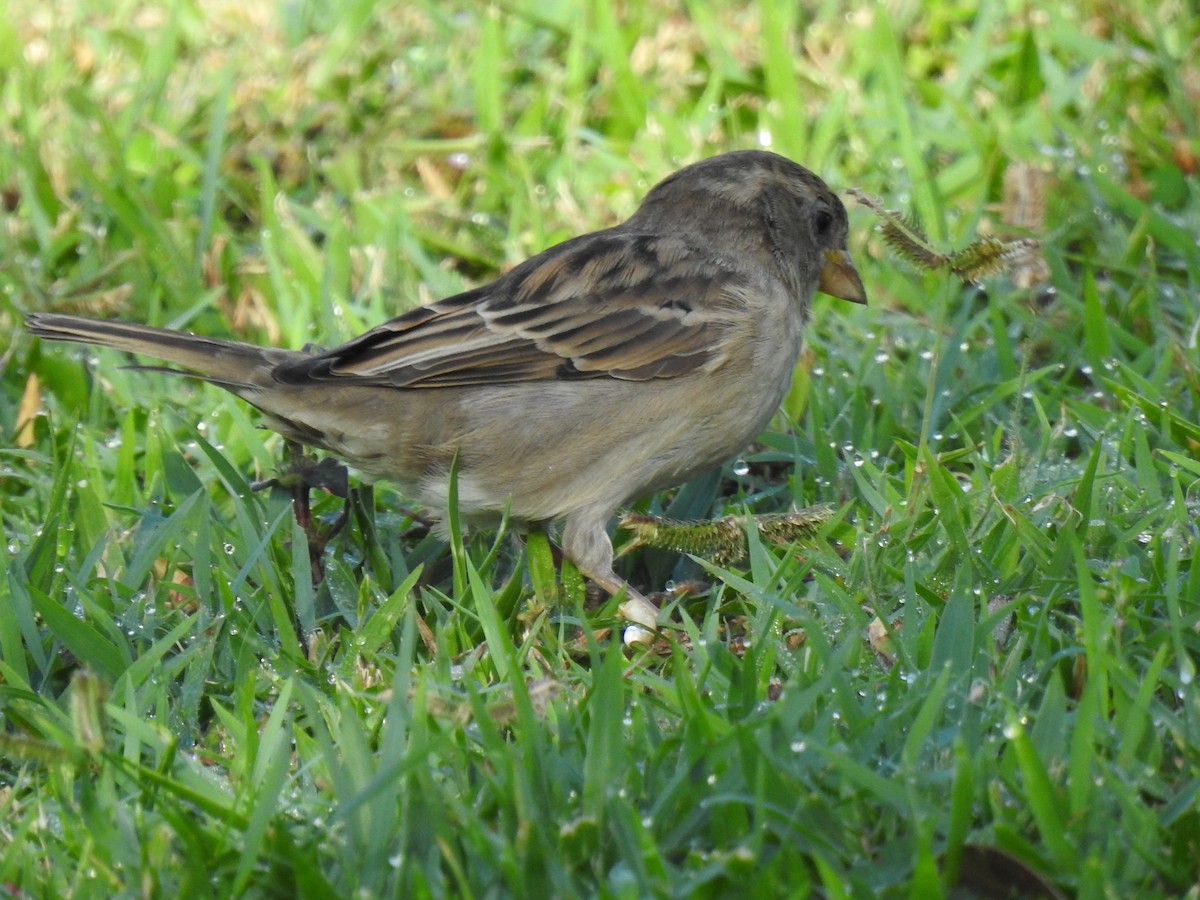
x: 603, y: 369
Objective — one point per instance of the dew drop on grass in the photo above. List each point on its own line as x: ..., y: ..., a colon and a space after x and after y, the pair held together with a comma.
x: 741, y: 467
x: 1013, y: 729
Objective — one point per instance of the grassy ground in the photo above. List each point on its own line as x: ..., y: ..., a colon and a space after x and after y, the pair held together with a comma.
x: 987, y: 661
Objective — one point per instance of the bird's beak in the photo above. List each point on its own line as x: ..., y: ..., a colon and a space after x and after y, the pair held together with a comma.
x: 840, y: 279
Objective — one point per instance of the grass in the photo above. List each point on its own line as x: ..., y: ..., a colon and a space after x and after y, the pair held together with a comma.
x: 1015, y: 470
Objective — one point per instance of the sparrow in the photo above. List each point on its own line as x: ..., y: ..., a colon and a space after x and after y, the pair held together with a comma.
x: 605, y: 368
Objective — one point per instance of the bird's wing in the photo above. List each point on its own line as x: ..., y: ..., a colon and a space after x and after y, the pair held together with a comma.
x: 605, y: 305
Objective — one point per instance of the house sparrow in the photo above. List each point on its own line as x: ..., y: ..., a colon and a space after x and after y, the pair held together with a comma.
x: 605, y: 368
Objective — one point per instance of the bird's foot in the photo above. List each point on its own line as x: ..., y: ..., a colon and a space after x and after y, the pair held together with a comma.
x: 300, y: 474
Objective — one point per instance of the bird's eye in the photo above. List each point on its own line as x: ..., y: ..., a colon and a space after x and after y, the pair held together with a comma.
x: 824, y: 222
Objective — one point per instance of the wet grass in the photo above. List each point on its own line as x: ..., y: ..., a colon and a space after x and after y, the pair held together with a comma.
x: 989, y: 657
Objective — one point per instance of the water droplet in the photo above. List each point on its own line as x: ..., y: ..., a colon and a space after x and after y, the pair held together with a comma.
x: 1187, y: 671
x: 741, y: 467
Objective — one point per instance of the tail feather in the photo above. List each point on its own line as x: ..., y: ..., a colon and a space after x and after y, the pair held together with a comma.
x: 228, y: 363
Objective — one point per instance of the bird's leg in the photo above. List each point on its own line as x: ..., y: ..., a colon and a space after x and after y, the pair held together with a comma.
x: 300, y: 474
x: 586, y: 543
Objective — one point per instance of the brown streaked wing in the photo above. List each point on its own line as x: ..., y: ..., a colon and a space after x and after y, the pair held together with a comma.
x: 591, y: 308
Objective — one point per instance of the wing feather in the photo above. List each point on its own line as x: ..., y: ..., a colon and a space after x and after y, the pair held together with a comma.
x: 607, y: 305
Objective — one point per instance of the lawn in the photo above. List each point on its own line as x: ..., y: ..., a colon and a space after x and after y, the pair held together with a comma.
x: 980, y: 673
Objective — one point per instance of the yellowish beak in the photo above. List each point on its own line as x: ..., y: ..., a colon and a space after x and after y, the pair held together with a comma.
x: 840, y: 279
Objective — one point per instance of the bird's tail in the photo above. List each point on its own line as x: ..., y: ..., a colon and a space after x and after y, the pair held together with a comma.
x: 227, y: 363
